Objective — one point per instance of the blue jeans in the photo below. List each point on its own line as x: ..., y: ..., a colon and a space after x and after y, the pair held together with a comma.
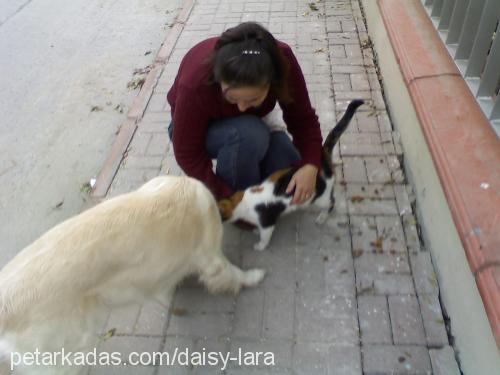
x: 246, y: 150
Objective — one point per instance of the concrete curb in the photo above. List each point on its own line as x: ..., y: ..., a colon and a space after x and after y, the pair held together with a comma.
x: 136, y: 111
x: 465, y: 156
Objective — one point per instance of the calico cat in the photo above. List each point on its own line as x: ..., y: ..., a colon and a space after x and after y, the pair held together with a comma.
x: 263, y: 204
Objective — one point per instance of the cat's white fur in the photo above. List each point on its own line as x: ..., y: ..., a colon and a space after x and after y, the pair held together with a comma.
x: 263, y: 194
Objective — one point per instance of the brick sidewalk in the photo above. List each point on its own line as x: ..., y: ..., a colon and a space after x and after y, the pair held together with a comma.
x: 355, y: 296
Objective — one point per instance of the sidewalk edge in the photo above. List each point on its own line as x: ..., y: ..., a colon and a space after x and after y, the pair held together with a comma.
x: 129, y: 126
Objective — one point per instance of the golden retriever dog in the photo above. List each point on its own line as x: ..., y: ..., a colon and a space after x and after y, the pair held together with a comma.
x: 57, y: 291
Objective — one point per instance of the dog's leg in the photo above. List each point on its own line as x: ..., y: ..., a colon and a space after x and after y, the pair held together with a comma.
x: 265, y: 237
x: 223, y: 276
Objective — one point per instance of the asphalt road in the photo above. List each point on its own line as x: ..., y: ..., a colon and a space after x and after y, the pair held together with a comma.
x: 64, y: 70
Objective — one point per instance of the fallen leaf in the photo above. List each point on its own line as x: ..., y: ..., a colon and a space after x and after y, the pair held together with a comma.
x: 313, y: 6
x: 356, y: 253
x: 109, y: 334
x: 377, y: 243
x: 320, y: 50
x: 357, y: 199
x: 96, y: 108
x: 59, y: 204
x: 178, y: 311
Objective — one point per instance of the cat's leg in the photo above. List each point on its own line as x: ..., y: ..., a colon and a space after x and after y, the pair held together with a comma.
x: 321, y: 218
x: 265, y: 237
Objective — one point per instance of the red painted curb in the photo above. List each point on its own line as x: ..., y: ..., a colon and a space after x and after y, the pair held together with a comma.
x: 136, y: 111
x: 464, y: 147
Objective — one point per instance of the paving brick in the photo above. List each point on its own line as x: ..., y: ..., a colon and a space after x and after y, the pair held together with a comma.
x: 142, y: 162
x: 125, y: 346
x: 403, y: 200
x: 391, y: 233
x: 373, y: 207
x: 152, y: 319
x: 159, y: 145
x: 339, y: 274
x: 280, y: 349
x: 423, y: 272
x: 166, y: 367
x: 406, y: 320
x: 325, y: 318
x: 411, y: 233
x: 385, y: 359
x: 386, y: 264
x: 443, y: 361
x: 377, y: 169
x: 278, y: 262
x: 279, y: 314
x: 391, y: 284
x: 200, y: 301
x: 249, y: 314
x: 123, y: 320
x: 139, y: 144
x: 200, y: 325
x: 374, y: 321
x: 366, y: 122
x: 354, y: 169
x: 376, y: 191
x: 317, y: 358
x: 364, y: 233
x: 432, y: 316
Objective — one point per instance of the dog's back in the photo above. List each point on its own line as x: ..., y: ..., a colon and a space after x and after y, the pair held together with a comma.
x: 121, y: 251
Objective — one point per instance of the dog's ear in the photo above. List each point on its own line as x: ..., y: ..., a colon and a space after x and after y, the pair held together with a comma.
x: 226, y: 208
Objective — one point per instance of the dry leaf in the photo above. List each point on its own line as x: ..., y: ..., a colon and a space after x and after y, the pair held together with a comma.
x: 357, y: 199
x: 178, y: 311
x: 356, y: 253
x: 377, y: 243
x: 96, y: 108
x: 313, y: 6
x: 110, y: 333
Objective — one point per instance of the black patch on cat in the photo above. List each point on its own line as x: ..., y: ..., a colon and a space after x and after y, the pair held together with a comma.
x: 320, y: 187
x: 269, y: 213
x: 282, y: 183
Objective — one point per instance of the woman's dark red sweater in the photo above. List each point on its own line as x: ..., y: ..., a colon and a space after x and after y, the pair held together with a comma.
x: 194, y: 103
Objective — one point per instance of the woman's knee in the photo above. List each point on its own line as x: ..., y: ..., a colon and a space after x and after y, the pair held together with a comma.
x: 253, y: 135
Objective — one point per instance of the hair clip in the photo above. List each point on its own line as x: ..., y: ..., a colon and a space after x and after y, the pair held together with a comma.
x: 250, y: 52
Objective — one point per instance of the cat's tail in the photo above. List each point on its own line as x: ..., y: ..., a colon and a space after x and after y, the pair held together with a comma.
x: 341, y: 126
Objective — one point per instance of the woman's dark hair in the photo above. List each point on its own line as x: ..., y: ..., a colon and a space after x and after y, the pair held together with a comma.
x: 248, y: 55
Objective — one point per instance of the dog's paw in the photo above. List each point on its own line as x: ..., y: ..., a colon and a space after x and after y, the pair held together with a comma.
x: 321, y: 219
x: 254, y: 276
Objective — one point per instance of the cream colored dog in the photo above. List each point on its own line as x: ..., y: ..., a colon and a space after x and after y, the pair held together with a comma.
x: 56, y: 292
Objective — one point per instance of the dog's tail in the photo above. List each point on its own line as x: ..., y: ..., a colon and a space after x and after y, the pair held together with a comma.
x: 341, y: 126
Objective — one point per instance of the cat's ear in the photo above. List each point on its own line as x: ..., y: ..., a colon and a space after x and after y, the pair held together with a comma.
x: 226, y: 208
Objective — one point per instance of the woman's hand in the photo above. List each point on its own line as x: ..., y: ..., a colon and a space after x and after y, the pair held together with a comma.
x: 304, y: 183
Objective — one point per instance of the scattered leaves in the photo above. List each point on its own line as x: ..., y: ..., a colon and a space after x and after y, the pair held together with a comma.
x: 136, y: 83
